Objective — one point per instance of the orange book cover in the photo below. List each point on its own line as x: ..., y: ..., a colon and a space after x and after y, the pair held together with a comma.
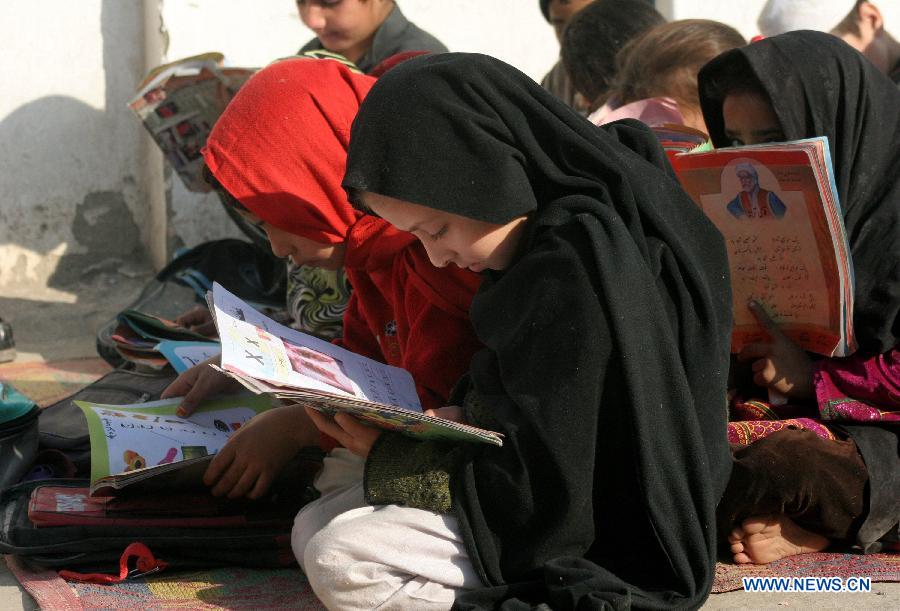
x: 777, y: 209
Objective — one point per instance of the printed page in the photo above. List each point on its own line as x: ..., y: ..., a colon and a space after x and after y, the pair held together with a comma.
x: 257, y: 346
x: 126, y: 438
x: 179, y: 106
x: 769, y: 206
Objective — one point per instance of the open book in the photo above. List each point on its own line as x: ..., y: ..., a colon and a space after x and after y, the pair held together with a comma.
x: 179, y: 102
x: 148, y: 444
x: 777, y: 207
x: 267, y: 357
x: 155, y: 342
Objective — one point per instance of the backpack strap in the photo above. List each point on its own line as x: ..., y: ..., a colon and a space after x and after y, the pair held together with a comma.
x: 144, y: 563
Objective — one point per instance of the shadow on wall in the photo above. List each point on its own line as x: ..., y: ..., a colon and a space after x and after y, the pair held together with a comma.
x: 70, y: 170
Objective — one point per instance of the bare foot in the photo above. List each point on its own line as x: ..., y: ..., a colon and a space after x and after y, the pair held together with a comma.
x: 764, y: 539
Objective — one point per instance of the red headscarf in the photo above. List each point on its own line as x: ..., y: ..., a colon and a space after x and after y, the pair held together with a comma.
x: 280, y: 147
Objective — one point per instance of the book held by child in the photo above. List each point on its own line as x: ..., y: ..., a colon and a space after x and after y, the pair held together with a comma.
x: 777, y: 208
x: 148, y: 443
x: 179, y: 102
x: 268, y: 357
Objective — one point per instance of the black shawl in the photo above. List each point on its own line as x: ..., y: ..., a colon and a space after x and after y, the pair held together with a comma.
x: 820, y: 86
x: 607, y: 338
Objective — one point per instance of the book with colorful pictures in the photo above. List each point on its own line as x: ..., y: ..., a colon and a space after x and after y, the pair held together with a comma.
x: 179, y: 102
x: 147, y: 446
x: 777, y: 207
x: 153, y: 329
x: 268, y: 357
x: 184, y: 355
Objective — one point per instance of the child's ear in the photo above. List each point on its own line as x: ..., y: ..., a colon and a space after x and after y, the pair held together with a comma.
x: 870, y: 20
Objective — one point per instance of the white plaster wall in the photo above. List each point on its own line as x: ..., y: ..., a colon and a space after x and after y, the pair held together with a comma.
x: 740, y: 15
x: 68, y: 145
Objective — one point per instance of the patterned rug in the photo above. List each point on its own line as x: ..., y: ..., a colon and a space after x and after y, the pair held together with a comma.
x: 225, y: 588
x: 47, y: 383
x: 236, y: 588
x: 878, y: 567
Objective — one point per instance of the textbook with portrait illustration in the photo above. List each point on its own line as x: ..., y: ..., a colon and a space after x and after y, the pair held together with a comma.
x: 150, y: 445
x: 268, y: 357
x: 777, y: 207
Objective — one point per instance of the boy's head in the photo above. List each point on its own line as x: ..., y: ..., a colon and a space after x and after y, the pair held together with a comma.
x: 859, y: 23
x: 345, y: 26
x: 560, y: 12
x: 664, y: 62
x: 594, y: 37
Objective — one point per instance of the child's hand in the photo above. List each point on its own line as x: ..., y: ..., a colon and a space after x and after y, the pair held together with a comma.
x: 448, y: 412
x: 347, y: 431
x: 198, y: 383
x: 256, y: 453
x: 199, y: 320
x: 779, y: 364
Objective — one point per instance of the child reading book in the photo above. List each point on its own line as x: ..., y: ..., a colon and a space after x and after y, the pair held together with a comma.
x: 278, y: 152
x: 656, y: 81
x: 844, y: 487
x: 605, y: 312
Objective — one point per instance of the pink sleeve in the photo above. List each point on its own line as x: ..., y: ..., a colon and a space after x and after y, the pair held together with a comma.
x: 859, y: 388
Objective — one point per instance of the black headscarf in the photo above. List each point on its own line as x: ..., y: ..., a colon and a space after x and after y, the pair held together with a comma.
x: 607, y: 337
x: 820, y: 86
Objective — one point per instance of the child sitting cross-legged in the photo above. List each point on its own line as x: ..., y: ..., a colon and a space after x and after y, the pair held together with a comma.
x: 605, y: 315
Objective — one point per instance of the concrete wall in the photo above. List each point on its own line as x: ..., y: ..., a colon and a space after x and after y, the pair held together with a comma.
x: 70, y: 154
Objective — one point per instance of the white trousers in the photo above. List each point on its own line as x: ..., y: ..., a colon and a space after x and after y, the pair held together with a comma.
x: 359, y: 556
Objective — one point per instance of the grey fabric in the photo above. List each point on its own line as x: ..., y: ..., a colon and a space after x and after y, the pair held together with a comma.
x: 396, y: 35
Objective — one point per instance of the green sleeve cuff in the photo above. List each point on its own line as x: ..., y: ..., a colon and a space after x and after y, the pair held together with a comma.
x: 403, y: 471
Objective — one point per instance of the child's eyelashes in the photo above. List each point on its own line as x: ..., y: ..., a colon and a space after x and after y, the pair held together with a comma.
x: 440, y: 233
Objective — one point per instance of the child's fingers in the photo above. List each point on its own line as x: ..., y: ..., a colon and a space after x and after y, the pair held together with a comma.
x: 262, y: 485
x: 361, y: 436
x: 759, y: 364
x: 207, y: 328
x: 228, y: 480
x: 195, y: 316
x: 448, y: 412
x: 326, y: 425
x: 207, y: 383
x: 245, y: 483
x: 764, y: 319
x: 219, y: 464
x: 766, y: 375
x: 351, y: 425
x: 182, y: 384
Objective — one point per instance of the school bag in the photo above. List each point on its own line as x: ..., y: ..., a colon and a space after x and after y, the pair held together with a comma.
x: 54, y: 524
x: 247, y: 269
x: 18, y: 434
x: 62, y: 426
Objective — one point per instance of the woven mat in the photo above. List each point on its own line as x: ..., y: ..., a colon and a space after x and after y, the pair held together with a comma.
x: 878, y: 567
x: 225, y: 588
x: 47, y: 383
x: 237, y: 588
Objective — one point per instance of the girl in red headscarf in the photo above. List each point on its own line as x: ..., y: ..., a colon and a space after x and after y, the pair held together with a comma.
x: 278, y: 153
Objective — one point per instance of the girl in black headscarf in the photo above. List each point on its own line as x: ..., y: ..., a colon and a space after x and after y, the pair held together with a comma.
x: 605, y: 310
x: 801, y: 85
